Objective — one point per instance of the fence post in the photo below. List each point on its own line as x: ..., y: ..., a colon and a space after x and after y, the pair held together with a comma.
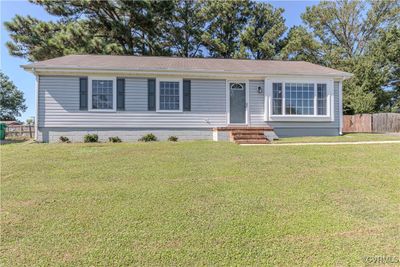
x: 372, y: 123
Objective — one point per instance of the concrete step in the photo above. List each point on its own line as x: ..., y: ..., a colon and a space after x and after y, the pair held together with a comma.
x: 248, y: 132
x: 248, y: 136
x: 233, y: 128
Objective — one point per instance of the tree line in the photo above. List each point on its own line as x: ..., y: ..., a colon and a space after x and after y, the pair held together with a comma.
x: 355, y: 36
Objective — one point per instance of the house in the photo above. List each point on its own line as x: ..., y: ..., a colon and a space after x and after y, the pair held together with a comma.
x: 191, y: 98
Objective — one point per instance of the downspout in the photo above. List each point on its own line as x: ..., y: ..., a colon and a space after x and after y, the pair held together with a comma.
x: 37, y: 104
x: 340, y: 108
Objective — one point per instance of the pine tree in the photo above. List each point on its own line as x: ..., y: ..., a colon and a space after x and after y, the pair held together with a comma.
x: 225, y: 23
x: 263, y: 32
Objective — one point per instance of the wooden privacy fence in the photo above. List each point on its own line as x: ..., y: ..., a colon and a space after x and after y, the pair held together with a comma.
x: 371, y: 123
x: 20, y: 131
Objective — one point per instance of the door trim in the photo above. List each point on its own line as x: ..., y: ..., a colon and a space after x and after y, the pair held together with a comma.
x: 228, y: 103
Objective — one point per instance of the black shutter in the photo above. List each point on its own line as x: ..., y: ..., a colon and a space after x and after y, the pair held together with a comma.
x: 186, y: 95
x: 120, y: 94
x: 83, y: 93
x: 151, y: 94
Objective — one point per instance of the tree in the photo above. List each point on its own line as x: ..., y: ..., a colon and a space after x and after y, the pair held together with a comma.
x: 11, y: 99
x: 340, y: 36
x: 385, y: 51
x: 225, y: 22
x: 301, y: 45
x: 100, y: 27
x: 359, y: 101
x: 186, y: 28
x: 38, y: 40
x: 262, y: 34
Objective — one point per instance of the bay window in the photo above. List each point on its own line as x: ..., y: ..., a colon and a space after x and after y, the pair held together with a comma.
x: 299, y: 100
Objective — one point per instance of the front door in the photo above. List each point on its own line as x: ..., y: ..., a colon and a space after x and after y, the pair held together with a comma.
x: 237, y: 103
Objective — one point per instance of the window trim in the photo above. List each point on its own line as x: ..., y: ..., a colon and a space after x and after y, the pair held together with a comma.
x: 284, y: 117
x: 158, y: 80
x: 90, y: 95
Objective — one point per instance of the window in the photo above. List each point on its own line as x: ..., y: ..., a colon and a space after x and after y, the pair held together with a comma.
x: 291, y: 101
x: 321, y: 99
x: 169, y: 95
x: 299, y: 98
x: 277, y: 98
x: 102, y: 94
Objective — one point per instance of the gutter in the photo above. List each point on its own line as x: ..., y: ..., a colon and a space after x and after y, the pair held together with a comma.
x: 36, y: 103
x: 177, y: 72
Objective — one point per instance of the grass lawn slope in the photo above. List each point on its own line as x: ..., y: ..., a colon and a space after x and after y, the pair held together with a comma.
x: 198, y: 203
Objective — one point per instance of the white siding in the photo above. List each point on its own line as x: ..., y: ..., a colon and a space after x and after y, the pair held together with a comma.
x: 59, y: 106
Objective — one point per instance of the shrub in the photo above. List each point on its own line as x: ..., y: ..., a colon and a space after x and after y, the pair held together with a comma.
x: 115, y: 139
x: 91, y: 138
x: 148, y: 138
x: 173, y: 139
x: 64, y: 139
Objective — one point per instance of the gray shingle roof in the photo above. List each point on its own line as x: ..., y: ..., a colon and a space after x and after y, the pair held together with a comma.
x: 213, y: 65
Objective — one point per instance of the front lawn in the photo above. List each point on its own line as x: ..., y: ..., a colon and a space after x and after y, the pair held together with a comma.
x: 198, y: 203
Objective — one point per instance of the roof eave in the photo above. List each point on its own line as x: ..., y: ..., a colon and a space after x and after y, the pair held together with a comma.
x: 32, y: 68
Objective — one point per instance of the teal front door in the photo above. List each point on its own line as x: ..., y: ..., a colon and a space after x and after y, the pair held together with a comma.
x: 237, y: 103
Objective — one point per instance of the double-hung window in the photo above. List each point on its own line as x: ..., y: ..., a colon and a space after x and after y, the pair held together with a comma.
x: 169, y: 95
x: 299, y: 99
x: 277, y: 98
x: 102, y: 94
x: 321, y: 99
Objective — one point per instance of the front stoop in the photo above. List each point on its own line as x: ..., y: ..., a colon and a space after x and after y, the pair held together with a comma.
x: 245, y: 134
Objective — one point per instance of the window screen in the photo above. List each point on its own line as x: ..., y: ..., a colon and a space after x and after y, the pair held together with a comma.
x: 299, y: 98
x: 102, y: 94
x: 277, y: 98
x: 169, y: 95
x: 321, y: 99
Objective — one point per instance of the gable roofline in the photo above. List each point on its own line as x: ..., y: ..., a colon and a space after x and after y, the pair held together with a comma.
x: 178, y: 65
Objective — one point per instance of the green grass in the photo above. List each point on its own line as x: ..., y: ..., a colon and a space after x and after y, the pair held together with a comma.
x: 355, y: 137
x: 198, y: 203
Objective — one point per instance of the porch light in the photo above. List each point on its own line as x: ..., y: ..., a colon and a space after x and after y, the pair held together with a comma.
x: 259, y: 90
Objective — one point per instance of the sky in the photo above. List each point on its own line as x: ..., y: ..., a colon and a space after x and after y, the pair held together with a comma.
x: 25, y: 81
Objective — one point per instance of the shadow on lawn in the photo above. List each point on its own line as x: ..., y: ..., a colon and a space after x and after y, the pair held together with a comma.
x: 15, y: 141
